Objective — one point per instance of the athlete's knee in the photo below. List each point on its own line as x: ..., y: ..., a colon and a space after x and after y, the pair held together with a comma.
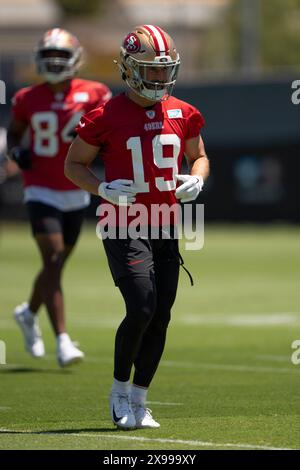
x: 141, y: 310
x: 161, y: 320
x: 53, y: 265
x: 141, y: 300
x: 135, y: 323
x: 141, y: 316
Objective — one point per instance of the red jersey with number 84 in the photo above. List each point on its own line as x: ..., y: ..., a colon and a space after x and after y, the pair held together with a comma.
x: 52, y: 118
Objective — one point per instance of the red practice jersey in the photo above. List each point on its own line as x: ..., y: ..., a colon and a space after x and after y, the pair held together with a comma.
x: 142, y: 144
x: 52, y: 118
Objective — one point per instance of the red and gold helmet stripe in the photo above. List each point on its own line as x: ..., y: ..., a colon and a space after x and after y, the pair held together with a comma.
x: 159, y: 39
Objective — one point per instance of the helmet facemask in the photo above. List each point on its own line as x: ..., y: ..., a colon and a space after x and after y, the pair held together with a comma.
x: 153, y: 80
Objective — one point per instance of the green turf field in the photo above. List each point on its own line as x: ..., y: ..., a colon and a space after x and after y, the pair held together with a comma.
x: 226, y: 380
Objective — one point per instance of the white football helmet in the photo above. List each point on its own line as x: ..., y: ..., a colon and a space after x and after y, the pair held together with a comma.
x: 149, y: 62
x: 58, y: 55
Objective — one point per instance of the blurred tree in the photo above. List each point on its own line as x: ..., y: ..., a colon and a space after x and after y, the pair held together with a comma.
x: 280, y: 38
x: 278, y: 32
x: 224, y: 45
x: 80, y: 7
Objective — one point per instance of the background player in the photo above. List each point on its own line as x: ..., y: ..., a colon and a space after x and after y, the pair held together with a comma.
x: 142, y: 135
x: 51, y: 111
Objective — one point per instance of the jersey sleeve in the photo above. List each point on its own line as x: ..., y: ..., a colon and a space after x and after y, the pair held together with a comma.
x: 90, y: 127
x: 19, y: 110
x: 101, y: 94
x: 194, y: 124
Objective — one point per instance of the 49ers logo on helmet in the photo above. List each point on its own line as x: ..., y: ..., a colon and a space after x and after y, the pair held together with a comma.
x: 132, y: 43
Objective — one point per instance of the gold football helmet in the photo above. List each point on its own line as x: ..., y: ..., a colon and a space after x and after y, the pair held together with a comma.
x: 149, y: 62
x: 58, y: 55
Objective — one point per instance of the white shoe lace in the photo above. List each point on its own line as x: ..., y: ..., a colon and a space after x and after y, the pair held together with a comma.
x: 143, y: 416
x: 122, y: 404
x: 139, y: 408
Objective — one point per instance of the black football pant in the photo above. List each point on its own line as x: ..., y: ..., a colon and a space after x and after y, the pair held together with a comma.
x: 140, y: 338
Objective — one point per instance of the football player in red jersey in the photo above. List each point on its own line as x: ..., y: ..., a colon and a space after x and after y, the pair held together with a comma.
x: 56, y: 206
x: 142, y: 135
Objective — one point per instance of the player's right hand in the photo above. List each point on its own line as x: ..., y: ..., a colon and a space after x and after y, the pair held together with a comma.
x: 22, y: 157
x: 120, y: 192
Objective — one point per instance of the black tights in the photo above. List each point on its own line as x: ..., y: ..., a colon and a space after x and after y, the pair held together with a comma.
x: 141, y: 336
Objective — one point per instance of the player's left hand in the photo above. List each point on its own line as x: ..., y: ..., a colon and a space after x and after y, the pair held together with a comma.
x: 190, y: 187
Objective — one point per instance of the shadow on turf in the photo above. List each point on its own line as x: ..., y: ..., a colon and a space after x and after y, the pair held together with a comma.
x: 33, y: 370
x: 64, y: 431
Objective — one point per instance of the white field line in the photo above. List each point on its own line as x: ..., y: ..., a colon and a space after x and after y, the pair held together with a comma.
x: 230, y: 367
x: 163, y: 403
x: 211, y: 319
x: 242, y: 319
x: 214, y: 319
x: 212, y: 366
x: 198, y: 366
x: 146, y: 439
x: 5, y: 408
x: 273, y: 358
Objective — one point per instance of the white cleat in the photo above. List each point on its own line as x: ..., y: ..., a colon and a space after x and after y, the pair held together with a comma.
x: 143, y: 417
x: 30, y: 329
x: 68, y: 353
x: 121, y: 411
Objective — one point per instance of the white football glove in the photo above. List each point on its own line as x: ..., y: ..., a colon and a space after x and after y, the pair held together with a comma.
x: 191, y: 187
x: 117, y: 189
